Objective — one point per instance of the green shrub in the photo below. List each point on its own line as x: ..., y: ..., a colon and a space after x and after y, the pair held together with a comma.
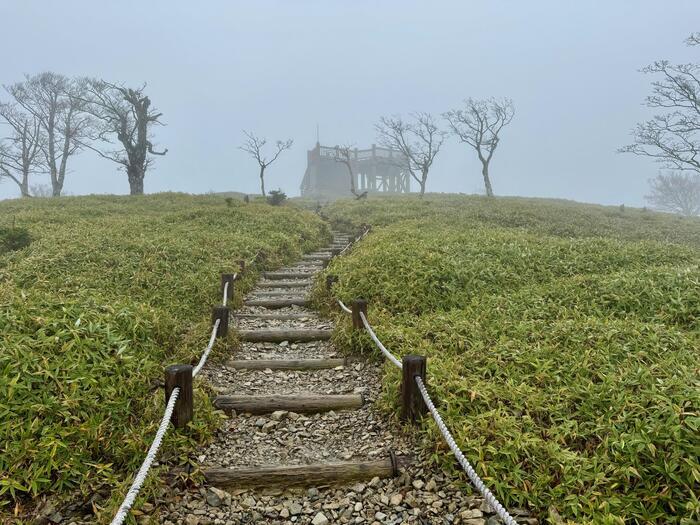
x: 14, y: 239
x: 276, y: 197
x: 115, y: 289
x: 562, y: 348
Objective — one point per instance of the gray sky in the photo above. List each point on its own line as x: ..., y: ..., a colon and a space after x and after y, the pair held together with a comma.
x: 281, y: 67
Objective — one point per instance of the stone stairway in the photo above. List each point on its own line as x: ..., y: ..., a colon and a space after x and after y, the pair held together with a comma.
x: 304, y: 442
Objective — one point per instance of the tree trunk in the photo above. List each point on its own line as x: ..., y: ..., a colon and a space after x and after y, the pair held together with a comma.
x: 423, y: 180
x: 262, y: 180
x: 136, y: 176
x: 487, y: 181
x: 24, y: 187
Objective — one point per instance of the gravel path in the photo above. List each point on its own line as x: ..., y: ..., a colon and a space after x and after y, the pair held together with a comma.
x: 420, y: 494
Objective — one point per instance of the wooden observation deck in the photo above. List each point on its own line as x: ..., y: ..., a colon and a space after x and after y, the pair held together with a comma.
x: 375, y: 170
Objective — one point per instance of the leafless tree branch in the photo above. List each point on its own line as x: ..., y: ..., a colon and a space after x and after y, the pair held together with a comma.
x: 676, y: 192
x: 254, y: 146
x: 672, y: 137
x: 479, y: 125
x: 418, y: 140
x: 20, y: 151
x: 55, y: 101
x: 125, y: 114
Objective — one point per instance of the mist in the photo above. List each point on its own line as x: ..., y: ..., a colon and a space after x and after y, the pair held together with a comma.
x: 286, y: 69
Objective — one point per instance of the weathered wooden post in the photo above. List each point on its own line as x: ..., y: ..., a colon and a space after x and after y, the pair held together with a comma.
x: 358, y: 305
x: 222, y: 313
x: 180, y: 376
x: 227, y: 278
x: 412, y: 405
x: 330, y: 281
x: 241, y: 264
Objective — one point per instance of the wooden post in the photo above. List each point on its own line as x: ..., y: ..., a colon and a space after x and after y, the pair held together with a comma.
x: 227, y: 278
x: 180, y: 376
x: 222, y: 313
x: 241, y: 264
x: 330, y: 281
x: 358, y: 305
x: 412, y: 404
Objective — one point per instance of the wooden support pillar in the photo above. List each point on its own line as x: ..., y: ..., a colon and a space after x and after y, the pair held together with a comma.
x: 358, y: 305
x: 412, y: 405
x: 180, y: 376
x: 227, y: 278
x: 222, y: 313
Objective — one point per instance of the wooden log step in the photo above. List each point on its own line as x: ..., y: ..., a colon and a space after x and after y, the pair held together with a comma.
x: 286, y: 284
x: 304, y: 475
x: 301, y: 403
x: 287, y: 275
x: 319, y: 257
x: 286, y: 334
x: 278, y: 317
x: 286, y: 364
x: 276, y: 293
x: 277, y: 303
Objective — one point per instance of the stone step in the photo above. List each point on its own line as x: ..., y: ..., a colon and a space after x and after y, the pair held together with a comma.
x: 295, y: 335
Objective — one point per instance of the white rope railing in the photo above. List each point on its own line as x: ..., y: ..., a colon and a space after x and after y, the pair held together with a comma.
x: 133, y: 492
x: 473, y: 476
x: 224, y: 300
x: 207, y: 350
x: 391, y: 357
x: 343, y: 307
x: 446, y: 434
x: 121, y: 514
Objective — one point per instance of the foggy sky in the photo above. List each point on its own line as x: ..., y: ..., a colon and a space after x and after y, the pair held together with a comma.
x: 279, y: 68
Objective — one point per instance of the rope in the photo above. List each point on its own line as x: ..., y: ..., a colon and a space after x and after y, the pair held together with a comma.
x: 473, y: 476
x: 391, y: 357
x: 121, y: 514
x: 203, y: 360
x: 225, y: 299
x: 357, y: 239
x: 343, y: 307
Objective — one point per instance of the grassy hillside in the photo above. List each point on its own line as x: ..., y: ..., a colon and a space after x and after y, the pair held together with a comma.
x: 562, y: 343
x: 109, y: 290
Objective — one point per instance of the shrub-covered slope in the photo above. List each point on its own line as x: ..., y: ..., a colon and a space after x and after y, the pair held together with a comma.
x: 110, y: 290
x: 562, y: 343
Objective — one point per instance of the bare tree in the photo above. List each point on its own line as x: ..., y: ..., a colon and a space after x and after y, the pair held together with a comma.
x: 673, y: 136
x: 56, y: 102
x: 20, y: 151
x: 676, y: 192
x: 342, y: 155
x: 254, y: 146
x: 419, y: 142
x: 479, y: 125
x: 125, y: 114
